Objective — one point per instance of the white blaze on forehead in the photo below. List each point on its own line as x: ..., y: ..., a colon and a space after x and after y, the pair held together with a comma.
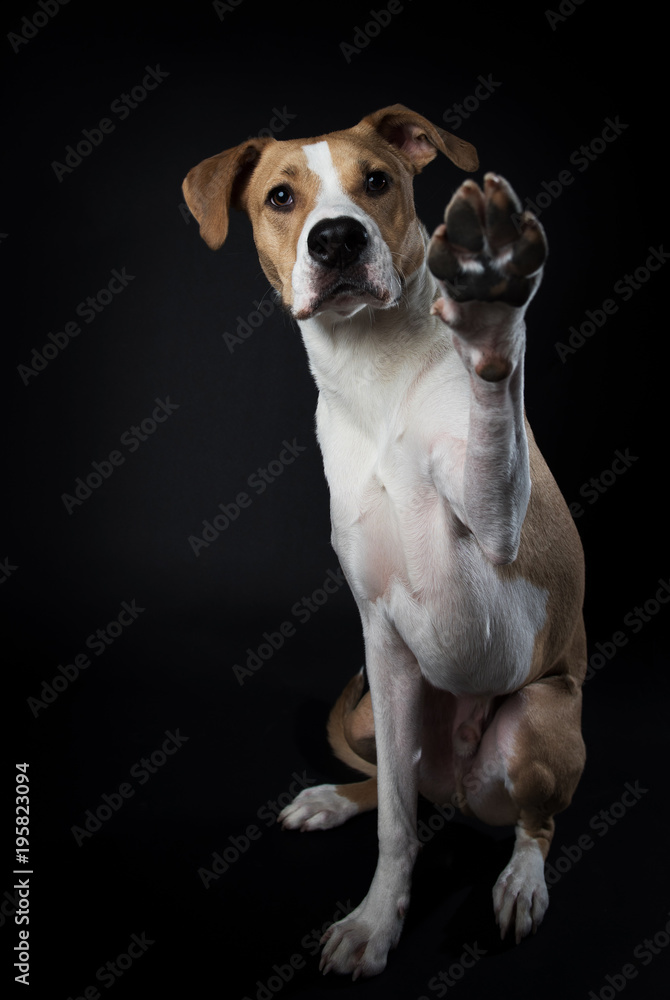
x: 332, y: 201
x: 320, y: 161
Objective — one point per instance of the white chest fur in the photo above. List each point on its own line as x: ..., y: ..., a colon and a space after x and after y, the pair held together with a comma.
x: 392, y: 395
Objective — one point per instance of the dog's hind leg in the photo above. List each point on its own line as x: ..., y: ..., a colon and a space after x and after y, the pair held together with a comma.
x: 351, y: 735
x: 525, y: 771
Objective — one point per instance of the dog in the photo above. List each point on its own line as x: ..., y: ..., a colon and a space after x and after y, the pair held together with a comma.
x: 453, y: 536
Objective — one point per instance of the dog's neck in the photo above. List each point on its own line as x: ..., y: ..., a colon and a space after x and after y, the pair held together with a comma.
x: 370, y: 349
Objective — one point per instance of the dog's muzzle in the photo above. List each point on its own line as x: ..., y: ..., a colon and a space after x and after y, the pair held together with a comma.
x: 344, y: 270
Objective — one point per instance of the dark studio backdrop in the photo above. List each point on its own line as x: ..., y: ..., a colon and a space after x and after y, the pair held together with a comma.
x: 171, y: 654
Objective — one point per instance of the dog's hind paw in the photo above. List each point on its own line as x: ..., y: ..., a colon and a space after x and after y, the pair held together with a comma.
x: 520, y: 897
x: 318, y: 808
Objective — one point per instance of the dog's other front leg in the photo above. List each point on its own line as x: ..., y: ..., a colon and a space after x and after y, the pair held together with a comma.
x: 489, y: 267
x: 360, y: 943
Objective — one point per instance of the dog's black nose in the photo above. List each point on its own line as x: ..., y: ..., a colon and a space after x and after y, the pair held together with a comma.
x: 337, y: 242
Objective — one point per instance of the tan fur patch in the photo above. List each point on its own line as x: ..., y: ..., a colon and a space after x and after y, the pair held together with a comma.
x: 276, y: 232
x: 363, y: 793
x: 548, y: 525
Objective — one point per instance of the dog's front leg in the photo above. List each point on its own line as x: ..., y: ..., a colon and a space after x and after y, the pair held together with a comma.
x: 489, y: 266
x: 360, y: 943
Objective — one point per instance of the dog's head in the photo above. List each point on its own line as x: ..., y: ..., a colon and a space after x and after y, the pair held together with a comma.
x: 333, y: 217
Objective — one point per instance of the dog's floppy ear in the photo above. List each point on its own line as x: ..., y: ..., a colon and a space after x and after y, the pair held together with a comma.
x: 216, y: 184
x: 417, y: 139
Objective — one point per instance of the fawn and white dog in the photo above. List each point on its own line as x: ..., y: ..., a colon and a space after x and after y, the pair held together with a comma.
x: 453, y: 536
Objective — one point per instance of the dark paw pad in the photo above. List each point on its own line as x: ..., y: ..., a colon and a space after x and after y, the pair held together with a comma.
x: 487, y: 249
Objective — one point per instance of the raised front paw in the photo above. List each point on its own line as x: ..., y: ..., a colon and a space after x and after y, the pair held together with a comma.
x: 487, y: 249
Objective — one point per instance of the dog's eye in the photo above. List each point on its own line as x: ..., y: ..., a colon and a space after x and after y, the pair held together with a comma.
x: 281, y: 197
x: 376, y: 182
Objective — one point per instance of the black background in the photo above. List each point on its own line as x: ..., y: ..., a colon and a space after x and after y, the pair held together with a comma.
x: 67, y: 574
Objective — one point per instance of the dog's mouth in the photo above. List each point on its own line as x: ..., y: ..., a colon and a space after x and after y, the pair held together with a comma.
x: 345, y: 295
